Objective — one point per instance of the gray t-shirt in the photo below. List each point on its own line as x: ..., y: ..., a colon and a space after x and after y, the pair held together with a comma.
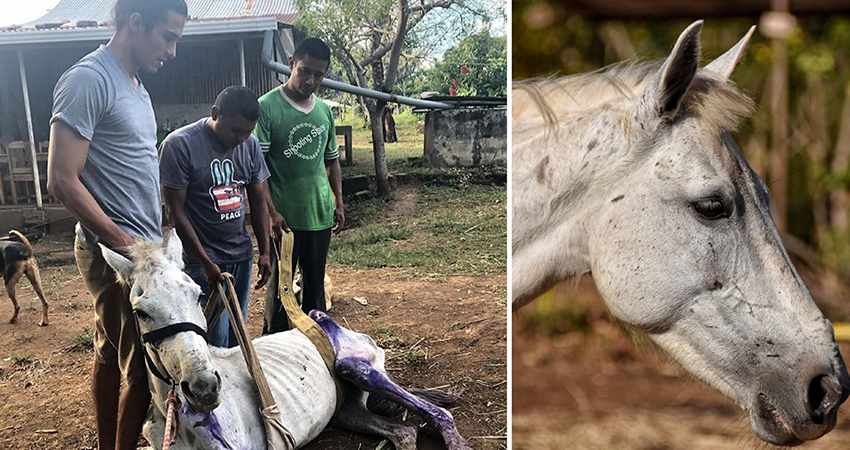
x: 97, y: 98
x: 214, y: 178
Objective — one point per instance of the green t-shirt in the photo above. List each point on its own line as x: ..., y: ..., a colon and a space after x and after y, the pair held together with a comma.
x: 296, y: 142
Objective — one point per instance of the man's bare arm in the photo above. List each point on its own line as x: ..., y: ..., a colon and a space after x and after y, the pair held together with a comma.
x: 278, y: 222
x: 335, y: 177
x: 67, y: 157
x: 258, y: 198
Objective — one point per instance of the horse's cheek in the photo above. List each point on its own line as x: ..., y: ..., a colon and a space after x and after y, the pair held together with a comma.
x: 633, y: 268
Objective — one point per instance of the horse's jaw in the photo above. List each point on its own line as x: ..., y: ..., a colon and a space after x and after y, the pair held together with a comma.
x: 788, y: 404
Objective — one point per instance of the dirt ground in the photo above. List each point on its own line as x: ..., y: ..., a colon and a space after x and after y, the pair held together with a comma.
x: 600, y: 390
x: 448, y: 333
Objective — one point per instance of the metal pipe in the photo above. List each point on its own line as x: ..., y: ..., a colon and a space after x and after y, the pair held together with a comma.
x: 242, y: 62
x: 271, y: 64
x: 25, y: 88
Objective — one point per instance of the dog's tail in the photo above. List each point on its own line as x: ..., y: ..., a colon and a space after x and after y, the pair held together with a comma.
x: 389, y: 408
x: 23, y: 240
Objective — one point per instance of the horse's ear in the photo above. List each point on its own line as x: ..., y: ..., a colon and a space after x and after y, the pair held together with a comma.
x: 174, y: 248
x: 661, y: 99
x: 123, y: 267
x: 726, y: 63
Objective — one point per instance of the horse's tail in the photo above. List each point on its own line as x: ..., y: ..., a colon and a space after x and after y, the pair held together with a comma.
x: 20, y: 236
x: 385, y: 407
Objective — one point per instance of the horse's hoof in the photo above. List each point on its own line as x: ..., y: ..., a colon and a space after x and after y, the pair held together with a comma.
x: 13, y: 320
x: 43, y: 323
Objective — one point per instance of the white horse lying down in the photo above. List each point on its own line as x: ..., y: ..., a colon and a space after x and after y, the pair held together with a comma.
x: 218, y: 407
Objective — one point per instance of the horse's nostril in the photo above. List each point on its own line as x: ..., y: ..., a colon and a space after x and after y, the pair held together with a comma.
x: 186, y: 391
x: 824, y: 393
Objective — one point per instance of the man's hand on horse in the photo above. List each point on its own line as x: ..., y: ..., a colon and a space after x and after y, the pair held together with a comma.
x: 264, y: 270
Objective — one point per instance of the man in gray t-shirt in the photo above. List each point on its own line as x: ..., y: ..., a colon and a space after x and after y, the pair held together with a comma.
x: 206, y: 168
x: 103, y: 168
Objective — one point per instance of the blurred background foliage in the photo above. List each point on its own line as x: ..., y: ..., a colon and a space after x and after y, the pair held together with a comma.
x: 548, y: 40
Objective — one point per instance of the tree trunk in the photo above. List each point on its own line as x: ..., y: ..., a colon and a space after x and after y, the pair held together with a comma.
x: 389, y: 126
x: 838, y: 197
x: 779, y: 139
x: 381, y: 173
x: 813, y: 125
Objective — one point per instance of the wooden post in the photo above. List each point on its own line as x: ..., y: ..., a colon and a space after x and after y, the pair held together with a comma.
x: 345, y: 132
x: 779, y: 132
x: 777, y: 25
x: 25, y: 88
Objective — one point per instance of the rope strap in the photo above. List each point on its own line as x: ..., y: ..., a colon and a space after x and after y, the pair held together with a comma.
x: 277, y: 436
x: 170, y: 425
x: 302, y: 321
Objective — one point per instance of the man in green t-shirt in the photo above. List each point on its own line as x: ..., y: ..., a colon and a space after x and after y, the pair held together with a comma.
x: 298, y: 139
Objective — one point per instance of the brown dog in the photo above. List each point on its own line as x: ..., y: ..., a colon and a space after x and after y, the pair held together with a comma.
x: 17, y: 259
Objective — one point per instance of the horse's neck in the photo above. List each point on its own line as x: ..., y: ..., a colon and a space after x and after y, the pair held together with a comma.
x: 558, y: 181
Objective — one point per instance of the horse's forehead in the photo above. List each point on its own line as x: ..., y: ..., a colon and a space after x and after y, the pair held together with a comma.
x: 159, y: 278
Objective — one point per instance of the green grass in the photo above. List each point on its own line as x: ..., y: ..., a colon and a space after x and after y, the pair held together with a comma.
x: 411, y: 141
x: 553, y: 317
x: 451, y: 230
x: 83, y: 341
x: 21, y: 359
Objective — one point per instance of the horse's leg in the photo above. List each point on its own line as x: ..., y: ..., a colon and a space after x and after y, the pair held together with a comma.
x: 154, y: 432
x: 154, y: 428
x: 363, y: 375
x: 353, y: 416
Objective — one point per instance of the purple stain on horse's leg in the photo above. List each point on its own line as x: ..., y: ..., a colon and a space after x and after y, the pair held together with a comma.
x: 360, y: 372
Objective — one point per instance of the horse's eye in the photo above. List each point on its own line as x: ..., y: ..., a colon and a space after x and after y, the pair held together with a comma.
x: 711, y: 209
x: 141, y: 314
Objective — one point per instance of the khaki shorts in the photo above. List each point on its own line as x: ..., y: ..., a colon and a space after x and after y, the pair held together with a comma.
x: 116, y: 339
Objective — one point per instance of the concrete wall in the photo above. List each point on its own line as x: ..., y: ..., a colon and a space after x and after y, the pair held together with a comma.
x: 466, y: 137
x: 177, y: 114
x: 25, y: 217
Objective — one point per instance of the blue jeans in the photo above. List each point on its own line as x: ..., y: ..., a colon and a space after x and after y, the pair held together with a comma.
x: 221, y: 335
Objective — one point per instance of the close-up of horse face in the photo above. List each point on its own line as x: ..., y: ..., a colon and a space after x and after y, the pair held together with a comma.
x: 686, y: 250
x: 659, y: 205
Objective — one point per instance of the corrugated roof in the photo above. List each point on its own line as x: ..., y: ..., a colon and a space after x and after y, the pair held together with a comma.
x: 245, y: 26
x: 72, y: 11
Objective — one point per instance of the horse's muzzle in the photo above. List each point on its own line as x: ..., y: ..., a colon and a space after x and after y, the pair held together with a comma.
x: 202, y: 393
x: 780, y: 422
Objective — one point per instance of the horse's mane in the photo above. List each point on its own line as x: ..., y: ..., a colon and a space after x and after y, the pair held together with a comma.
x: 549, y: 101
x: 146, y: 255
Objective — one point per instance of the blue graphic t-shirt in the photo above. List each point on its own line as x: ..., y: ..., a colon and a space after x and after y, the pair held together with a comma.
x: 214, y: 178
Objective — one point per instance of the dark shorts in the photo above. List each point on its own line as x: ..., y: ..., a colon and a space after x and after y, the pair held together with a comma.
x: 116, y: 338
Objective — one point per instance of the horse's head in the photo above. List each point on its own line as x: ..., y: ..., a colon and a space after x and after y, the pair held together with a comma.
x: 684, y: 247
x: 171, y: 321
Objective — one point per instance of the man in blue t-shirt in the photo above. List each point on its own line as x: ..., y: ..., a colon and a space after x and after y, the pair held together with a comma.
x: 206, y: 168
